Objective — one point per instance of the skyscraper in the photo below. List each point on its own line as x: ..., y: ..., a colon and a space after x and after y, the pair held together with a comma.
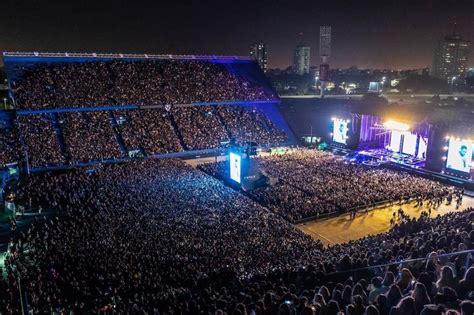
x: 324, y: 53
x: 450, y: 58
x: 258, y: 52
x: 470, y: 77
x: 301, y: 60
x: 324, y: 42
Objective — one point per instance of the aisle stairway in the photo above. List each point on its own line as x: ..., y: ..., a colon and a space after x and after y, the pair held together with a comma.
x: 54, y: 118
x: 117, y: 134
x: 221, y: 119
x: 177, y: 131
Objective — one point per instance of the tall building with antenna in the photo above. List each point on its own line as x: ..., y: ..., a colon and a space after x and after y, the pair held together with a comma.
x: 324, y: 42
x: 324, y: 53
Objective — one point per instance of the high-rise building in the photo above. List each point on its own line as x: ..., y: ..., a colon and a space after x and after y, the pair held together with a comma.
x: 301, y: 60
x: 324, y: 42
x: 450, y: 58
x: 258, y: 52
x: 324, y: 53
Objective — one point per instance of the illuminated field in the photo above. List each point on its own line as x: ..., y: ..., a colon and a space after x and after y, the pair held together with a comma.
x: 342, y: 229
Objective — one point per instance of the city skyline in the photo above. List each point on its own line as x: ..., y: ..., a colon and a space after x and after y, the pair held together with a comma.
x: 367, y: 34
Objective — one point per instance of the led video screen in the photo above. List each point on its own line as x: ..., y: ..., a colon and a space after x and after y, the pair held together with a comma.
x: 395, y: 139
x: 234, y: 160
x: 422, y: 147
x: 340, y: 130
x: 459, y: 155
x: 409, y: 143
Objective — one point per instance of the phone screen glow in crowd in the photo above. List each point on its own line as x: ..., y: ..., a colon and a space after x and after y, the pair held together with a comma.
x: 459, y: 155
x: 340, y: 130
x: 235, y: 160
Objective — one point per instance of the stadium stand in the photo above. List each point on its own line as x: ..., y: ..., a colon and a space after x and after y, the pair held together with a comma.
x: 148, y: 130
x: 89, y: 136
x: 41, y: 141
x: 160, y: 237
x: 107, y: 98
x: 9, y: 146
x: 250, y: 125
x: 154, y: 131
x: 138, y: 82
x: 201, y: 126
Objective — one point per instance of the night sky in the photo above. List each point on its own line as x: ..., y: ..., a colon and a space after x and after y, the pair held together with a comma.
x: 395, y: 34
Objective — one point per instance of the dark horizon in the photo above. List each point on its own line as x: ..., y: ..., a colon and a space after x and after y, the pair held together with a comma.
x: 368, y: 34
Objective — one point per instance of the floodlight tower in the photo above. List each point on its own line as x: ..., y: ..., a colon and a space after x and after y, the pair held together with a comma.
x: 324, y: 53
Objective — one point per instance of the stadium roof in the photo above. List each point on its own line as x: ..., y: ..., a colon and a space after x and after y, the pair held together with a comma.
x: 42, y: 55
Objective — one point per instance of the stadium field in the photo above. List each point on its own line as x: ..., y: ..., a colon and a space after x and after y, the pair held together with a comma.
x: 342, y: 229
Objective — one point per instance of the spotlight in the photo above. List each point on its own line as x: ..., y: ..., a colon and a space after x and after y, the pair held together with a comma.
x: 395, y: 125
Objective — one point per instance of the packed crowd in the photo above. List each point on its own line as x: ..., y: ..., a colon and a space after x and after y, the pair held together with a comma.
x: 250, y: 125
x: 200, y: 126
x: 312, y: 183
x: 100, y: 135
x: 159, y: 237
x: 88, y: 136
x: 148, y: 130
x: 40, y: 139
x: 118, y: 82
x: 113, y: 224
x: 9, y: 146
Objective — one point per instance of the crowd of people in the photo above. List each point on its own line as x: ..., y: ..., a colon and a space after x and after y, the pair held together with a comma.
x: 42, y: 144
x: 159, y: 237
x: 149, y: 130
x: 88, y: 136
x: 102, y: 135
x: 249, y: 124
x: 144, y: 223
x: 140, y: 82
x: 313, y: 183
x: 200, y: 126
x: 9, y: 146
x: 154, y: 236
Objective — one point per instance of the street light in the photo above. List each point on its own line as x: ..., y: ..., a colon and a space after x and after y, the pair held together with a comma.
x: 452, y: 83
x: 383, y: 82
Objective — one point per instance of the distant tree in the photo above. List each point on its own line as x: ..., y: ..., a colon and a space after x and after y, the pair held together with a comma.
x: 337, y: 91
x: 423, y: 84
x: 292, y: 83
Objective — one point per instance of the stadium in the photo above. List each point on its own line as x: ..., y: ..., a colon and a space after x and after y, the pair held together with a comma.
x: 179, y: 184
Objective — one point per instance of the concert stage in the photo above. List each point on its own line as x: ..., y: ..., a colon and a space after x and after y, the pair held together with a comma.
x: 443, y: 154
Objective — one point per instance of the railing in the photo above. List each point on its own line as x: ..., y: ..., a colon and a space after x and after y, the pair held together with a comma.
x: 22, y: 112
